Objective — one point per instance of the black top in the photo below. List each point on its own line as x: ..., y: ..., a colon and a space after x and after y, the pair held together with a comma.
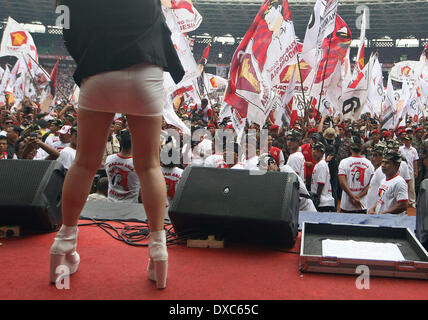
x: 109, y: 35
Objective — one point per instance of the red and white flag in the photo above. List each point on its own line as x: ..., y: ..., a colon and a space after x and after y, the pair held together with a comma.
x: 17, y: 42
x: 187, y: 60
x: 181, y: 15
x: 359, y: 64
x: 267, y: 50
x: 213, y: 82
x: 321, y: 25
x: 355, y: 95
x: 205, y: 55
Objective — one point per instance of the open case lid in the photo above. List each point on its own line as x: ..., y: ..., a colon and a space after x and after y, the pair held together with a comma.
x: 340, y: 248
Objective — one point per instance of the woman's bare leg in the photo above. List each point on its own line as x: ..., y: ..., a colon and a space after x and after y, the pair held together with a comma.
x: 92, y: 133
x: 145, y: 132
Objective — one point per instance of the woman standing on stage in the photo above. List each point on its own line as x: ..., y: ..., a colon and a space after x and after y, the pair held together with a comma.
x: 121, y: 50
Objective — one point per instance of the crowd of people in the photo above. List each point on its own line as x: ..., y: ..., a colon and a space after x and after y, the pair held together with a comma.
x: 341, y: 165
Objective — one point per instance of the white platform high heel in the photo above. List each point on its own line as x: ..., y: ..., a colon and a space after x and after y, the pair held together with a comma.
x: 158, y: 259
x: 64, y: 260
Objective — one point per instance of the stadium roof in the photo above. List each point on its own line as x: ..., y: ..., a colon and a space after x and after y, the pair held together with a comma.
x: 397, y: 19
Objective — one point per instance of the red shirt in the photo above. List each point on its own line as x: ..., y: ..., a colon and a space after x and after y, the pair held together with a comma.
x: 307, y: 153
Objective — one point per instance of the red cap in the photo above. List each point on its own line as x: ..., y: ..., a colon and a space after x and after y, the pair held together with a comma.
x: 313, y: 130
x: 401, y: 131
x: 387, y: 133
x: 211, y: 125
x: 375, y: 131
x: 273, y: 127
x: 229, y: 126
x: 401, y: 127
x: 342, y: 125
x: 419, y: 128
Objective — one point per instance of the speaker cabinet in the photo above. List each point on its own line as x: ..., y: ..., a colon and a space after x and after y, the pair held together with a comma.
x: 31, y: 195
x: 237, y: 206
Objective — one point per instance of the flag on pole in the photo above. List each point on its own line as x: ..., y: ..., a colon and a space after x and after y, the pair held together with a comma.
x: 187, y: 60
x: 5, y: 80
x: 285, y: 110
x: 375, y: 94
x: 389, y: 107
x: 355, y: 95
x: 205, y: 55
x: 181, y: 15
x: 359, y: 64
x: 338, y: 42
x: 54, y: 76
x: 402, y: 102
x: 17, y: 41
x: 268, y: 48
x: 321, y: 25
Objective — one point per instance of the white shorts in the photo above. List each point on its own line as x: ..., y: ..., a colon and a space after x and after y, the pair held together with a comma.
x: 137, y: 90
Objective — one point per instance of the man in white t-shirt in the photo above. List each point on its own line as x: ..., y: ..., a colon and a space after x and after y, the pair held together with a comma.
x: 64, y: 138
x: 68, y: 154
x: 123, y: 182
x: 202, y: 111
x: 320, y: 182
x: 296, y: 159
x: 355, y: 174
x: 412, y: 158
x: 376, y: 159
x: 53, y: 136
x: 392, y: 192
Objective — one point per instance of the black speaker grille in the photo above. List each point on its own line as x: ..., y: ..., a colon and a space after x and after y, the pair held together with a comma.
x: 237, y: 205
x: 20, y: 180
x: 30, y: 194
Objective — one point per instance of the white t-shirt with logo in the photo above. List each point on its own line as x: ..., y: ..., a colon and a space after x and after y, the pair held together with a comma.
x: 358, y: 172
x: 67, y: 156
x: 51, y: 139
x: 172, y: 178
x: 123, y: 182
x: 321, y: 175
x: 297, y: 162
x: 391, y: 192
x: 59, y: 145
x: 372, y: 194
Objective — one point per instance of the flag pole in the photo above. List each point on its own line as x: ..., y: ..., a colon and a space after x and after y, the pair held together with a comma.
x: 303, y: 91
x: 325, y: 69
x: 49, y: 77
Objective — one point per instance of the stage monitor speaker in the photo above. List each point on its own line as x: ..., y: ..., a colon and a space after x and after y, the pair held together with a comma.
x: 422, y: 214
x: 31, y: 194
x: 237, y: 206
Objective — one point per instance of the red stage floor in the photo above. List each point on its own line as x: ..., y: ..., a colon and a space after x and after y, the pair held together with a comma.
x: 110, y: 269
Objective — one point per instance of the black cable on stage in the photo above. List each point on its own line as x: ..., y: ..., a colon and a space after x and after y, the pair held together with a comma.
x: 132, y: 234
